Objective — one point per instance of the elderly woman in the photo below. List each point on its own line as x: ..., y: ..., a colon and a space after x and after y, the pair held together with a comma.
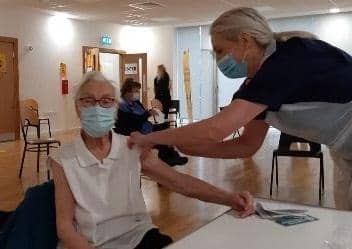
x: 99, y: 203
x: 132, y: 116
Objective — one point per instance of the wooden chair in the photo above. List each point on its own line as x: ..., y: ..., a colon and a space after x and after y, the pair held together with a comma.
x: 284, y: 151
x: 33, y: 145
x: 34, y: 119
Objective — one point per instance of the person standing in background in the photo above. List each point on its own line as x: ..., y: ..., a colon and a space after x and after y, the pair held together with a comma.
x: 162, y: 88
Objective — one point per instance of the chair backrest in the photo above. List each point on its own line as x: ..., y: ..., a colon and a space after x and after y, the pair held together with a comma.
x: 32, y: 103
x: 286, y: 141
x: 34, y: 222
x: 29, y: 112
x: 175, y: 106
x: 28, y: 117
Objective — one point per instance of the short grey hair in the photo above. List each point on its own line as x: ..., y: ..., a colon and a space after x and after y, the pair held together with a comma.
x: 248, y: 20
x: 93, y: 76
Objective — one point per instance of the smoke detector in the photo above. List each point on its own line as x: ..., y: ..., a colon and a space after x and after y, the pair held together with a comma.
x: 145, y: 5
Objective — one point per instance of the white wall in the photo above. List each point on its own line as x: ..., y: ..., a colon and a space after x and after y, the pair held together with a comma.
x: 158, y: 42
x: 39, y: 69
x: 333, y: 28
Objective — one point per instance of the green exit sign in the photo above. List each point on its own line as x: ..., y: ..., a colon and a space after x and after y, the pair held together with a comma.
x: 106, y: 40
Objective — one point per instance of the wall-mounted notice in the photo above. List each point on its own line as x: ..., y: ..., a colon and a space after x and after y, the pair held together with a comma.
x: 131, y: 68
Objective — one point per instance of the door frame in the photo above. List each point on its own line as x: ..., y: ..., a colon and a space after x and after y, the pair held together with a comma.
x: 101, y: 50
x: 14, y: 41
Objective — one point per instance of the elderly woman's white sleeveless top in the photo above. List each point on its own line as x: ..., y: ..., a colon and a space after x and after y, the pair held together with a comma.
x: 110, y: 210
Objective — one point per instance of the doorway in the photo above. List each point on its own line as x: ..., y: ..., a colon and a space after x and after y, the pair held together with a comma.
x: 135, y: 66
x: 104, y: 60
x: 9, y: 96
x: 117, y: 66
x: 109, y: 65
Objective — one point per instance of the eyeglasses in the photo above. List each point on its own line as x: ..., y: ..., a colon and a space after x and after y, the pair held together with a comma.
x: 103, y: 102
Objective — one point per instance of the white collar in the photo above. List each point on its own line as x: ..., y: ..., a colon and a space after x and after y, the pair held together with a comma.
x: 86, y: 158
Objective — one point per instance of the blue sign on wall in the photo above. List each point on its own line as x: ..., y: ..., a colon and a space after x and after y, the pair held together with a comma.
x: 106, y: 40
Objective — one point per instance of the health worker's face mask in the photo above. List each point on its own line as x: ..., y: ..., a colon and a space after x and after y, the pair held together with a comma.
x: 231, y: 68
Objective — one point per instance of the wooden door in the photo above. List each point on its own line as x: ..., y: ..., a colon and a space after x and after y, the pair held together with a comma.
x: 90, y: 59
x: 9, y: 100
x: 135, y: 66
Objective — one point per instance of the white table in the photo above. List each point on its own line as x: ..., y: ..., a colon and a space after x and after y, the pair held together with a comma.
x: 230, y: 232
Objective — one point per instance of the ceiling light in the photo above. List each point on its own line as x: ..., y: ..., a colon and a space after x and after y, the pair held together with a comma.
x: 60, y: 29
x: 145, y: 5
x: 334, y: 10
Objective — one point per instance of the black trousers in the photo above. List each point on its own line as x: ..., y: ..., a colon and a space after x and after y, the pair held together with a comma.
x: 153, y: 239
x: 165, y: 151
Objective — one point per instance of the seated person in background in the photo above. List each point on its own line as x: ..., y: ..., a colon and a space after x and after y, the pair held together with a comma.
x: 98, y: 199
x: 132, y: 116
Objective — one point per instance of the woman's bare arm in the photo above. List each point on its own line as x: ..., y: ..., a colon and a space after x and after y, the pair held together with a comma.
x: 65, y: 208
x: 194, y: 187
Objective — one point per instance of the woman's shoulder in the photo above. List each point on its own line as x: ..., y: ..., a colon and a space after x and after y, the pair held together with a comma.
x: 298, y: 46
x: 64, y: 152
x: 118, y: 138
x: 166, y: 77
x: 120, y: 143
x: 67, y: 149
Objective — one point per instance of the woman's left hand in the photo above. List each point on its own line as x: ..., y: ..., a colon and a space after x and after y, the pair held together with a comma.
x: 154, y: 112
x: 138, y: 139
x: 156, y: 104
x: 243, y: 203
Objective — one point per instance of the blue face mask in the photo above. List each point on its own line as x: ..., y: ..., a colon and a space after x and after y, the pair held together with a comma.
x: 97, y: 121
x: 231, y: 68
x: 136, y: 97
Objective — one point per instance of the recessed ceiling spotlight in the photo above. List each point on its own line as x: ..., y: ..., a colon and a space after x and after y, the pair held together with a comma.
x: 334, y: 10
x: 145, y: 5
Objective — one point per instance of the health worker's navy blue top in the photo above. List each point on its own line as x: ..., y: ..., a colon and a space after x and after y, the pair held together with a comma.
x: 307, y: 88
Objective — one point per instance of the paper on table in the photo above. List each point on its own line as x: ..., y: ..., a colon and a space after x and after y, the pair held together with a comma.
x: 285, y: 217
x: 267, y: 213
